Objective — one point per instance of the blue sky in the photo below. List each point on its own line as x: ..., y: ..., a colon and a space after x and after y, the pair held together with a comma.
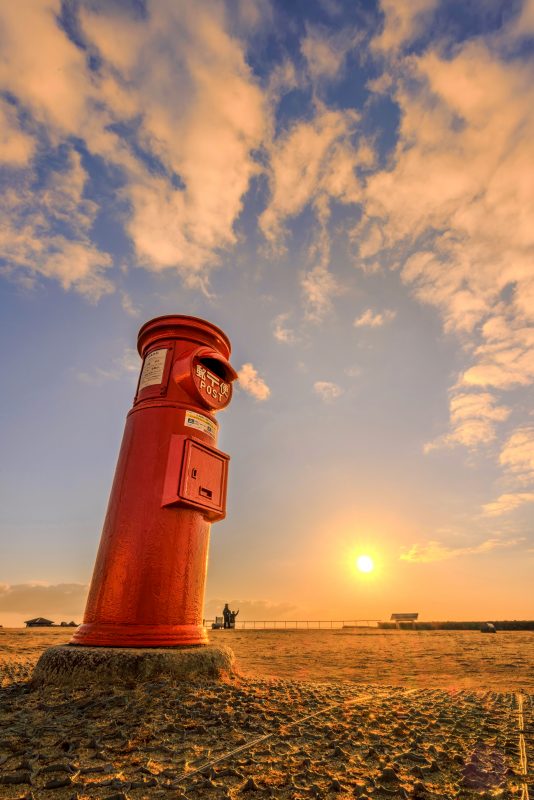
x: 345, y: 188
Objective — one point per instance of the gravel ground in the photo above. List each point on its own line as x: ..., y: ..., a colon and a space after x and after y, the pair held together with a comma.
x: 164, y: 739
x: 252, y: 738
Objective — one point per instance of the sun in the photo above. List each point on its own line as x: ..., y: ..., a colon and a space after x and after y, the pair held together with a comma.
x: 365, y: 563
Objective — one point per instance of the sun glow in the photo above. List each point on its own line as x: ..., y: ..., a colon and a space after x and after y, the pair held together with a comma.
x: 365, y: 563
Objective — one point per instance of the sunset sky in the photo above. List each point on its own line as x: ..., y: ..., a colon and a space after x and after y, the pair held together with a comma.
x: 346, y: 188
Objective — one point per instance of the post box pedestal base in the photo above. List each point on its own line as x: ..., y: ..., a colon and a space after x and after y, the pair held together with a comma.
x: 72, y: 665
x: 102, y: 634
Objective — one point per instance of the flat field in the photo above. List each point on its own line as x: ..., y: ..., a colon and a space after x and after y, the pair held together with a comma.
x: 318, y: 714
x: 440, y: 659
x: 502, y: 662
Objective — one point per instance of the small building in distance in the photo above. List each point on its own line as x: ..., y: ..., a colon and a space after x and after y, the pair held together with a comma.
x: 39, y: 622
x: 405, y: 620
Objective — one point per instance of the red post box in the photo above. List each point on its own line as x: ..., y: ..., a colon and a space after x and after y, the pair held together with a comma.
x: 170, y: 484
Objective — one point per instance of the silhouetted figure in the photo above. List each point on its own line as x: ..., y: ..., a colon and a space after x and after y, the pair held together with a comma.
x: 233, y: 615
x: 227, y: 614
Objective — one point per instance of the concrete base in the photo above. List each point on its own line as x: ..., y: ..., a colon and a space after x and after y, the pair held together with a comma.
x: 72, y: 665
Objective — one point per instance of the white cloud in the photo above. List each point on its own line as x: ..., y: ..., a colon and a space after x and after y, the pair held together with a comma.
x: 180, y: 82
x: 201, y: 114
x: 453, y: 209
x: 437, y: 551
x: 327, y: 390
x: 505, y: 359
x: 473, y: 419
x: 252, y: 383
x: 42, y: 68
x: 311, y: 163
x: 374, y: 319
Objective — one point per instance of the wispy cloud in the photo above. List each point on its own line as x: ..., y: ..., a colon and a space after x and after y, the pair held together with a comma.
x: 32, y: 230
x: 281, y: 331
x: 319, y: 287
x: 325, y: 51
x: 128, y: 363
x: 517, y: 460
x: 473, y: 417
x: 128, y: 305
x: 517, y: 455
x: 251, y: 382
x: 507, y: 502
x: 402, y: 22
x: 311, y: 163
x: 438, y: 551
x: 327, y: 391
x: 374, y: 319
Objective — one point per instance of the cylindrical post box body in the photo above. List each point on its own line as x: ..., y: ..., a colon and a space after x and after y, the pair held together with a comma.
x: 170, y: 484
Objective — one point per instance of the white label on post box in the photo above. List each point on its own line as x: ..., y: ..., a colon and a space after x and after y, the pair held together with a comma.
x: 201, y: 423
x: 153, y: 368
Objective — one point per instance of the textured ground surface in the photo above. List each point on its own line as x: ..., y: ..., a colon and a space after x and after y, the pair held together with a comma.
x: 455, y: 659
x: 291, y: 739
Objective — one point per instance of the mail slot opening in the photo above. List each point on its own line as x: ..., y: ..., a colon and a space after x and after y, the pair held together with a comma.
x: 217, y: 367
x: 205, y: 492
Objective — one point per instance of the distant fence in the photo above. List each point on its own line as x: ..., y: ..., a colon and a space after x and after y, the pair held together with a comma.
x: 299, y: 624
x: 330, y: 624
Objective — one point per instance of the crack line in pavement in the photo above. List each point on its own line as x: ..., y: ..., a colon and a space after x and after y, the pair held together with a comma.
x: 523, y: 764
x: 247, y: 746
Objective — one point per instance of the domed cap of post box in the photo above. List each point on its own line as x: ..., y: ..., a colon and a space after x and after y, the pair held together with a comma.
x: 192, y: 329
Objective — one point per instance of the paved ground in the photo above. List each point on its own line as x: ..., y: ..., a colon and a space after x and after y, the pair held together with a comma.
x: 253, y: 738
x: 288, y: 739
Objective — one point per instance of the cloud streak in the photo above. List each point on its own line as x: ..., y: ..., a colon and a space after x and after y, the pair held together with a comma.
x: 507, y: 502
x: 438, y: 551
x: 128, y: 363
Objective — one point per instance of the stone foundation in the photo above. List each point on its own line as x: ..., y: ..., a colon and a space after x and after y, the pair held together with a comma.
x: 73, y: 665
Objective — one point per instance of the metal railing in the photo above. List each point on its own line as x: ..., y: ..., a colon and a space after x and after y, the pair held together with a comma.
x: 299, y: 624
